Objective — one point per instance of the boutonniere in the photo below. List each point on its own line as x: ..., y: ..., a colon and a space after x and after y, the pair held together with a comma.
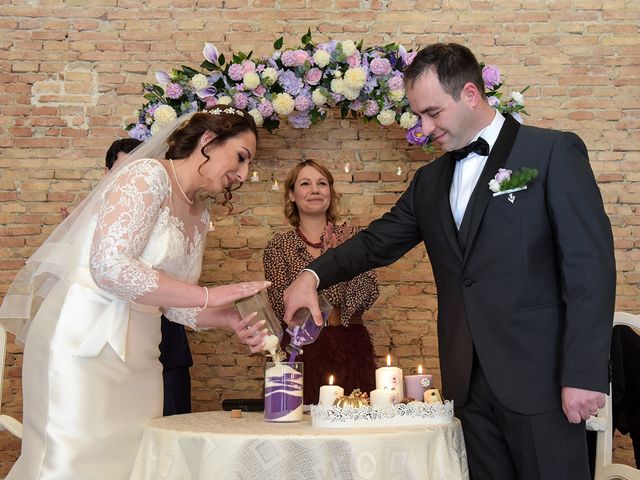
x: 507, y: 181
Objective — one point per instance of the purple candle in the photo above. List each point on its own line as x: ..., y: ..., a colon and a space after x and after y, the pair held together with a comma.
x: 283, y: 392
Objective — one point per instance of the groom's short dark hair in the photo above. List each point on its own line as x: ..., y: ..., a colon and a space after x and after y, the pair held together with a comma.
x: 124, y: 145
x: 454, y: 64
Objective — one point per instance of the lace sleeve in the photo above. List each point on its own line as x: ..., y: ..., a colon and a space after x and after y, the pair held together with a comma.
x: 125, y: 221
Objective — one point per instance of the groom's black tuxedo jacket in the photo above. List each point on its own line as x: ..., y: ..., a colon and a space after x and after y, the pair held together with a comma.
x: 528, y: 281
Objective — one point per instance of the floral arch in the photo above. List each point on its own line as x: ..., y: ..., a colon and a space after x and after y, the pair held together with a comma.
x: 299, y: 86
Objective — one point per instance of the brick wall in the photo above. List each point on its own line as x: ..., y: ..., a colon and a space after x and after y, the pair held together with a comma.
x: 70, y: 79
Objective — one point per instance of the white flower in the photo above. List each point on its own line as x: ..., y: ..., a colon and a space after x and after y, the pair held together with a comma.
x: 322, y: 58
x: 251, y: 80
x: 396, y: 95
x: 225, y: 100
x: 337, y: 85
x: 517, y: 97
x: 199, y: 81
x: 348, y: 47
x: 283, y: 104
x: 386, y: 117
x: 408, y: 120
x: 318, y: 98
x: 337, y: 74
x: 269, y: 76
x: 156, y: 127
x: 350, y: 93
x: 257, y: 117
x: 355, y: 78
x: 494, y: 185
x: 163, y: 115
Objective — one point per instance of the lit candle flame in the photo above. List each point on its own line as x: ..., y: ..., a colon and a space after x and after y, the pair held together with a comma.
x: 330, y: 379
x: 388, y: 360
x: 419, y: 369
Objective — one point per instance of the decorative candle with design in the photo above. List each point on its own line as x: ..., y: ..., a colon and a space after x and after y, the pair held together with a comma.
x: 416, y: 385
x: 283, y: 392
x: 390, y: 378
x: 329, y: 393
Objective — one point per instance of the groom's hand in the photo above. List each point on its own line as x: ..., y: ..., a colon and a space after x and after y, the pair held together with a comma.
x: 579, y: 404
x: 302, y: 294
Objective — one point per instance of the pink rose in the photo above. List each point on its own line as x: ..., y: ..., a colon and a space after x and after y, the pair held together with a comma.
x: 502, y: 175
x: 210, y: 102
x: 248, y: 66
x: 259, y: 90
x: 313, y: 76
x: 354, y: 60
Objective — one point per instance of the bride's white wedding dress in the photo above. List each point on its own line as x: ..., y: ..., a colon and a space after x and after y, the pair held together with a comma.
x: 91, y: 374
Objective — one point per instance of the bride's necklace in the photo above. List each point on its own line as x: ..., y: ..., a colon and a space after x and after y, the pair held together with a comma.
x: 306, y: 240
x: 173, y: 168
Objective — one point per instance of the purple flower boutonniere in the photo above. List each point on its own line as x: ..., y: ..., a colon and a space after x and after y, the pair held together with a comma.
x: 507, y: 181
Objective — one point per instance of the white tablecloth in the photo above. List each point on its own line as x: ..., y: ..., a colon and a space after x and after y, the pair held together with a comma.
x: 212, y: 445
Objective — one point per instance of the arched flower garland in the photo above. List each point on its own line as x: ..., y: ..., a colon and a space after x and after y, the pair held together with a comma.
x: 300, y: 86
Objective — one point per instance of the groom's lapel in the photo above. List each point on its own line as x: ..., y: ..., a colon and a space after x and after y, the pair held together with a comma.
x: 444, y: 206
x: 481, y: 194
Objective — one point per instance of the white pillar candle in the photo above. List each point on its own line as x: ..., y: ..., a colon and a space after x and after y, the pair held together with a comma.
x: 416, y: 385
x: 329, y: 393
x: 390, y: 378
x: 380, y: 398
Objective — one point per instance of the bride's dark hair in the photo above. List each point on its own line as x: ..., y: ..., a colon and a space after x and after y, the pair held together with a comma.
x: 225, y: 122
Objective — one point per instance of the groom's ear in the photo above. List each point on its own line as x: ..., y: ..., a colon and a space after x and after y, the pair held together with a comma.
x: 470, y: 94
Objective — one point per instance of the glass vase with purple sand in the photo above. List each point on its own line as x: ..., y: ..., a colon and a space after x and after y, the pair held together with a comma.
x: 304, y: 330
x: 283, y: 391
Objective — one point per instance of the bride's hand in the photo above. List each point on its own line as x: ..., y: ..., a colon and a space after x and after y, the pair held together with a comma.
x: 227, y: 294
x: 252, y: 336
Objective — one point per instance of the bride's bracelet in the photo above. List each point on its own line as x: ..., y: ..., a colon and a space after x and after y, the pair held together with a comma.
x: 206, y: 301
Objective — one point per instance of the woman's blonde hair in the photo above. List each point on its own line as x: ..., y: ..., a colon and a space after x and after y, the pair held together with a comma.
x: 291, y: 209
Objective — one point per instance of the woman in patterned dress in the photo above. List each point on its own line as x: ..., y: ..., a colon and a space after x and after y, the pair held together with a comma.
x: 344, y: 348
x: 92, y: 295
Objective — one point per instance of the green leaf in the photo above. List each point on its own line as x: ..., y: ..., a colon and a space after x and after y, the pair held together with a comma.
x: 306, y: 38
x: 519, y: 178
x: 221, y: 59
x: 278, y: 43
x: 189, y: 71
x: 208, y: 65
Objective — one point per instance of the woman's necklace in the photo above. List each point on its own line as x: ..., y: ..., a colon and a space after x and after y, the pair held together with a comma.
x: 306, y: 240
x: 190, y: 202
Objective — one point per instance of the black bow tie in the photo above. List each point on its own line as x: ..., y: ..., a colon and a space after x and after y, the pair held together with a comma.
x: 480, y: 146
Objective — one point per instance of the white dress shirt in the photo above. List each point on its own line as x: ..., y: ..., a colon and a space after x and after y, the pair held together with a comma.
x: 468, y: 170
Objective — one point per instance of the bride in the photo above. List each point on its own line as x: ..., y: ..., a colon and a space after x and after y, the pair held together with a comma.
x: 88, y: 302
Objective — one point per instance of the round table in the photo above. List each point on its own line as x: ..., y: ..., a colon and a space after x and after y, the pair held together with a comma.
x: 212, y: 445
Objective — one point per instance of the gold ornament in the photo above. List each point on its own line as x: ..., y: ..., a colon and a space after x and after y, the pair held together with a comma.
x: 357, y: 399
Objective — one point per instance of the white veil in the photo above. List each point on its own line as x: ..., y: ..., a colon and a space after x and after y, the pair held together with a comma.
x: 59, y: 255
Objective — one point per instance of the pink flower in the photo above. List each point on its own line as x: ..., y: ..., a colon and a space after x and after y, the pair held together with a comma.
x: 396, y: 82
x: 265, y: 108
x: 410, y: 57
x: 371, y: 109
x: 354, y: 59
x: 502, y: 175
x: 210, y: 102
x: 294, y: 58
x: 380, y: 66
x: 303, y: 103
x: 259, y: 90
x: 240, y: 100
x: 313, y: 76
x: 248, y: 66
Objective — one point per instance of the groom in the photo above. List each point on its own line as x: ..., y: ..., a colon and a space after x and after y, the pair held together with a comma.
x: 526, y: 279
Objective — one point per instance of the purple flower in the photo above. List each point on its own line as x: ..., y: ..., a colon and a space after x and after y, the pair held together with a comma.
x: 162, y: 77
x: 140, y: 132
x: 396, y: 82
x: 371, y: 108
x: 410, y: 57
x: 236, y: 72
x: 174, y: 91
x: 290, y: 82
x: 265, y: 108
x: 240, y: 100
x: 299, y: 120
x: 491, y: 76
x: 493, y: 101
x: 303, y: 103
x: 502, y: 175
x: 380, y: 66
x: 415, y: 136
x: 206, y: 92
x: 259, y: 90
x: 210, y: 52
